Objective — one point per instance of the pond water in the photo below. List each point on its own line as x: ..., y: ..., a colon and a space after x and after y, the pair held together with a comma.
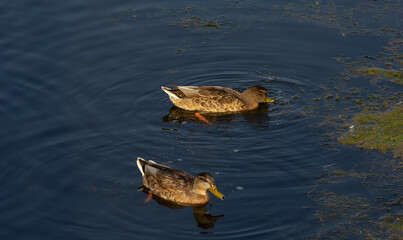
x: 81, y: 99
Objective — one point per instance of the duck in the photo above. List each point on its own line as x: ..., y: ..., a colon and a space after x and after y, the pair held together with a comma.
x: 175, y: 185
x: 216, y: 99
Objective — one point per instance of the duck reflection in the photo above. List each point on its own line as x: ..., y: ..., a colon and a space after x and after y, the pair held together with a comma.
x: 180, y: 116
x: 203, y: 218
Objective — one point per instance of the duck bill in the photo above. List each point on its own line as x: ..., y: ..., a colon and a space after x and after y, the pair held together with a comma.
x: 269, y: 100
x: 216, y: 193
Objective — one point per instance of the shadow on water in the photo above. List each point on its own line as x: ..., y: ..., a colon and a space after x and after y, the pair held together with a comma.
x: 181, y: 116
x: 203, y: 218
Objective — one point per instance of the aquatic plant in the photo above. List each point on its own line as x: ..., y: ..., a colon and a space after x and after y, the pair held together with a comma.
x: 377, y: 130
x: 393, y: 75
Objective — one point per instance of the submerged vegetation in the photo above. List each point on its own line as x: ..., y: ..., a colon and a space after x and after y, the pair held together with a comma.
x: 393, y: 75
x: 379, y: 130
x: 379, y: 125
x: 366, y: 211
x: 370, y: 118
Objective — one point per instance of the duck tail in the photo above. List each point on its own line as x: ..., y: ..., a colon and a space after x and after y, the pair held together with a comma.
x: 141, y: 164
x: 168, y: 91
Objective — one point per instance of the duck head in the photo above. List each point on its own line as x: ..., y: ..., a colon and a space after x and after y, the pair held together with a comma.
x: 203, y: 182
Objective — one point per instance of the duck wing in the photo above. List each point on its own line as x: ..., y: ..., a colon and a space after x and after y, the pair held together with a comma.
x: 167, y: 178
x: 205, y: 91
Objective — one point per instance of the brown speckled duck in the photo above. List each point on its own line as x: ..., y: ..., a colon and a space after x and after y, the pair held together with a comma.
x: 216, y: 99
x: 175, y: 185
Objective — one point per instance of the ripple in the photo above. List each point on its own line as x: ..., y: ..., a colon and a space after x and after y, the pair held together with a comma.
x: 81, y: 100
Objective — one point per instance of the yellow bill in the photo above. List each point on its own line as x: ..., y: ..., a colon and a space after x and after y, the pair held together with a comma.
x: 269, y: 100
x: 216, y: 193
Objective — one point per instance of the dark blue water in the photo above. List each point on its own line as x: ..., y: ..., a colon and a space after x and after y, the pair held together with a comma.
x: 80, y: 100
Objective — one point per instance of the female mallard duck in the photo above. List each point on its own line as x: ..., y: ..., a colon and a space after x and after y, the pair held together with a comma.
x: 175, y: 185
x: 216, y: 99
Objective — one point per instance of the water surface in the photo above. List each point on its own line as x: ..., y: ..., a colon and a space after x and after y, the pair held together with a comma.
x: 80, y: 100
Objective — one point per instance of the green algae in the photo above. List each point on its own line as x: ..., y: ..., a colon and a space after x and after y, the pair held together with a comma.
x: 372, y: 115
x: 393, y: 75
x: 211, y: 24
x: 377, y: 130
x: 393, y: 223
x: 334, y: 209
x: 352, y: 212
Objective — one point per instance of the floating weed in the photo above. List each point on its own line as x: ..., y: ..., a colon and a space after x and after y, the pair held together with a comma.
x: 211, y: 24
x: 393, y: 223
x: 370, y: 117
x: 356, y: 216
x: 339, y: 176
x: 200, y: 24
x: 296, y: 97
x: 348, y: 214
x: 377, y: 130
x: 393, y: 75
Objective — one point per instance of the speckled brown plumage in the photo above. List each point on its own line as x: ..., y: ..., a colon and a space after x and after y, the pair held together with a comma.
x: 216, y: 99
x: 175, y: 185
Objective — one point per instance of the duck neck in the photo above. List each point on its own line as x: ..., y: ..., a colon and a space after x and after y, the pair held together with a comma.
x: 250, y: 104
x: 199, y: 190
x: 200, y: 195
